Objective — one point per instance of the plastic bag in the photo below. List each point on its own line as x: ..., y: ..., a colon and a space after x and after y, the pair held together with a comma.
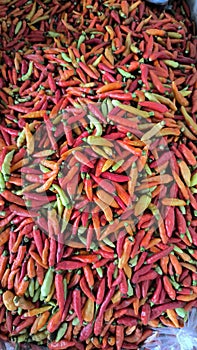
x: 174, y: 338
x: 12, y: 346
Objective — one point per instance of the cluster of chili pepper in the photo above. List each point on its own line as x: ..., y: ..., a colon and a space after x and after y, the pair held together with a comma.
x: 98, y: 176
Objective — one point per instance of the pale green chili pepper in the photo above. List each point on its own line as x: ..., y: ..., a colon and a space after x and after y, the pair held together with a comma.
x: 84, y: 241
x: 133, y: 262
x: 104, y: 108
x: 47, y: 283
x: 124, y: 73
x: 29, y: 72
x: 60, y: 207
x: 63, y: 197
x: 109, y: 105
x: 171, y: 63
x: 183, y: 210
x: 21, y: 338
x: 189, y: 235
x: 117, y: 165
x: 66, y: 57
x: 61, y: 331
x: 75, y: 321
x: 181, y: 312
x: 65, y: 288
x: 97, y: 61
x: 81, y: 40
x: 108, y: 242
x: 36, y: 284
x: 44, y: 169
x: 18, y: 27
x: 20, y: 139
x: 7, y: 164
x: 19, y: 311
x: 99, y: 271
x: 115, y: 274
x: 193, y: 181
x: 31, y: 288
x: 159, y: 270
x: 130, y: 289
x: 39, y: 336
x: 147, y: 169
x: 81, y: 230
x: 2, y: 182
x: 27, y: 293
x: 174, y: 283
x: 98, y: 126
x: 53, y: 34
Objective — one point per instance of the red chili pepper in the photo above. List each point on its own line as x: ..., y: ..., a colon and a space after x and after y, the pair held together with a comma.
x: 85, y: 288
x: 59, y: 286
x: 11, y: 197
x: 76, y: 299
x: 157, y: 256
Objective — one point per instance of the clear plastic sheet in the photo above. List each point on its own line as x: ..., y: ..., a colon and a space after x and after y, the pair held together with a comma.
x: 175, y: 338
x: 12, y: 346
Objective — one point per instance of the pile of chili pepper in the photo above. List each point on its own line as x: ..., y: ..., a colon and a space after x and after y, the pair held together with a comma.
x: 98, y: 171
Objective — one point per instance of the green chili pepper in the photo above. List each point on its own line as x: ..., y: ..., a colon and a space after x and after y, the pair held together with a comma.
x: 109, y: 105
x: 39, y: 336
x: 84, y: 241
x: 27, y: 293
x: 53, y: 34
x: 20, y: 139
x: 44, y: 169
x: 124, y: 73
x: 18, y: 27
x: 60, y: 207
x: 188, y: 235
x: 61, y: 331
x: 181, y: 312
x: 62, y: 195
x: 133, y: 262
x: 81, y: 230
x: 130, y: 288
x: 171, y: 63
x: 81, y: 40
x: 65, y: 288
x: 66, y: 57
x: 29, y: 72
x: 36, y: 284
x: 174, y: 283
x: 7, y: 164
x: 31, y: 288
x: 104, y: 108
x: 75, y: 321
x: 193, y: 181
x: 47, y: 283
x: 98, y: 126
x: 159, y: 270
x: 177, y: 249
x: 99, y: 271
x: 2, y: 182
x: 134, y: 49
x: 19, y: 310
x: 115, y: 274
x: 148, y: 169
x: 21, y: 338
x: 117, y: 165
x: 108, y: 242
